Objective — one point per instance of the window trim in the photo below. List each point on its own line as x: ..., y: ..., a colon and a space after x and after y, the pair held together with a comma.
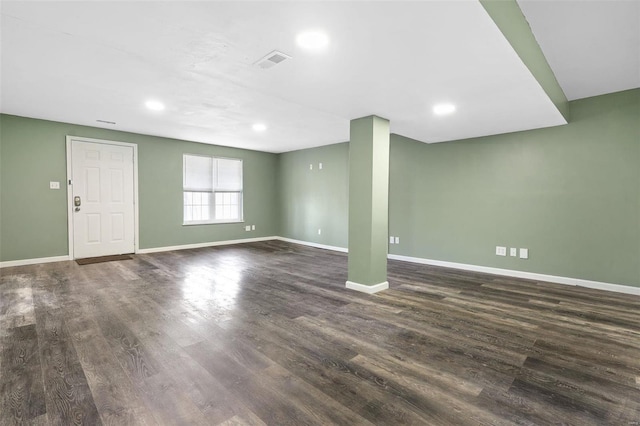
x: 213, y: 192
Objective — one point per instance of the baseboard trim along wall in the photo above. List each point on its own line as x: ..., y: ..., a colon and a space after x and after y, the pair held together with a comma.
x: 618, y: 288
x: 369, y: 289
x: 23, y: 262
x: 201, y: 245
x: 316, y: 245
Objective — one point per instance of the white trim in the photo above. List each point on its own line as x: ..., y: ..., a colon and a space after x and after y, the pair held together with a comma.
x: 209, y: 222
x: 136, y: 213
x: 618, y: 288
x: 369, y: 289
x: 208, y: 244
x: 316, y: 245
x: 22, y: 262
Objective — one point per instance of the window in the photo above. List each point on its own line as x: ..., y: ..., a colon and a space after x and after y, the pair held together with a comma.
x: 212, y: 189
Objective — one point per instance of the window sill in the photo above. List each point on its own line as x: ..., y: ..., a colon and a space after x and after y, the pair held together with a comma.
x: 210, y: 222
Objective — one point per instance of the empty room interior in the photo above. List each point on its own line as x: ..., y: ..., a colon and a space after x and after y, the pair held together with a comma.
x: 318, y: 213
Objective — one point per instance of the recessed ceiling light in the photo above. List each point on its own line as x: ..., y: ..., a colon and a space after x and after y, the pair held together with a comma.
x: 312, y: 40
x: 444, y: 109
x: 154, y: 105
x: 259, y: 127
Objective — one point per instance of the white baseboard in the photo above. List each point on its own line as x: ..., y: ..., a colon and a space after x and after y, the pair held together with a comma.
x: 369, y: 289
x: 316, y: 245
x: 618, y: 288
x: 23, y: 262
x: 201, y: 245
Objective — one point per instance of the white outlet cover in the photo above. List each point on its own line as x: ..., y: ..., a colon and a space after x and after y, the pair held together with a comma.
x: 310, y: 166
x: 391, y: 240
x: 253, y: 227
x: 54, y: 185
x: 319, y: 231
x: 501, y: 251
x: 247, y: 228
x: 514, y: 251
x: 397, y: 240
x: 524, y: 253
x: 320, y: 166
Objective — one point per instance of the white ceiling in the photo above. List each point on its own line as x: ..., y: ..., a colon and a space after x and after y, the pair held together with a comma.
x: 80, y: 62
x: 593, y: 47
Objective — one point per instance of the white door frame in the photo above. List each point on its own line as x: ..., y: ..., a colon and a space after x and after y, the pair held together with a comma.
x: 70, y: 206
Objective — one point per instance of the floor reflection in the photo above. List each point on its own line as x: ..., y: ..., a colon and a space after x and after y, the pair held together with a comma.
x: 207, y: 287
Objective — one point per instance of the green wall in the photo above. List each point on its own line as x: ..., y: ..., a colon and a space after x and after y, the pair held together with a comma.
x: 33, y: 219
x: 312, y: 199
x: 570, y: 194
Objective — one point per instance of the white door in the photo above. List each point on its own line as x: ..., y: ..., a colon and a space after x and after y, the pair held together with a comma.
x: 102, y: 207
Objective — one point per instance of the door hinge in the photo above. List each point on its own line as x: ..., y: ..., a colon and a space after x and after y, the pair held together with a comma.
x: 70, y: 182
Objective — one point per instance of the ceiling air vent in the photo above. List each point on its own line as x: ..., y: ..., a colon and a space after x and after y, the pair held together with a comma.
x: 272, y: 59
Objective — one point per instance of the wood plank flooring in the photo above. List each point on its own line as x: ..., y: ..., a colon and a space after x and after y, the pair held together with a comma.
x: 266, y: 333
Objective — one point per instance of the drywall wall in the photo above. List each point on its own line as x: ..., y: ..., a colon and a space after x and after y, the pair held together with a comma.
x: 314, y: 198
x: 33, y: 221
x: 570, y: 194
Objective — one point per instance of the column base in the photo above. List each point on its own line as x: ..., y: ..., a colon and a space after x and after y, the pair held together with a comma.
x: 370, y: 289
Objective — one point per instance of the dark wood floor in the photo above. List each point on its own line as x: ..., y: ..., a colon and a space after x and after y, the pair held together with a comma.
x: 266, y: 333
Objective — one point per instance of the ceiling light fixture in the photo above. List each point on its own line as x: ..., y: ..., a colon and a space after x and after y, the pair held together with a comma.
x: 154, y: 105
x: 444, y: 109
x: 259, y: 127
x: 312, y: 40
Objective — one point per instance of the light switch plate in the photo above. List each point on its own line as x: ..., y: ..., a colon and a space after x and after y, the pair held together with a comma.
x: 397, y: 240
x: 54, y: 185
x: 513, y: 251
x: 253, y: 227
x: 320, y: 166
x: 247, y: 228
x: 524, y: 253
x: 319, y: 231
x: 501, y: 251
x: 392, y: 240
x: 310, y: 166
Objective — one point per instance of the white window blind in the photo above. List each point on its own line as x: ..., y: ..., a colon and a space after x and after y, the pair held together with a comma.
x: 228, y: 174
x: 212, y: 189
x: 198, y: 173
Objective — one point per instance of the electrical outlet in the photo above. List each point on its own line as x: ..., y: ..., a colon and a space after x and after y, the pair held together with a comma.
x: 320, y: 166
x: 397, y: 240
x: 253, y: 227
x: 524, y: 253
x: 513, y: 252
x: 392, y: 240
x: 310, y: 166
x: 319, y: 231
x: 247, y: 228
x: 54, y: 185
x: 501, y: 251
